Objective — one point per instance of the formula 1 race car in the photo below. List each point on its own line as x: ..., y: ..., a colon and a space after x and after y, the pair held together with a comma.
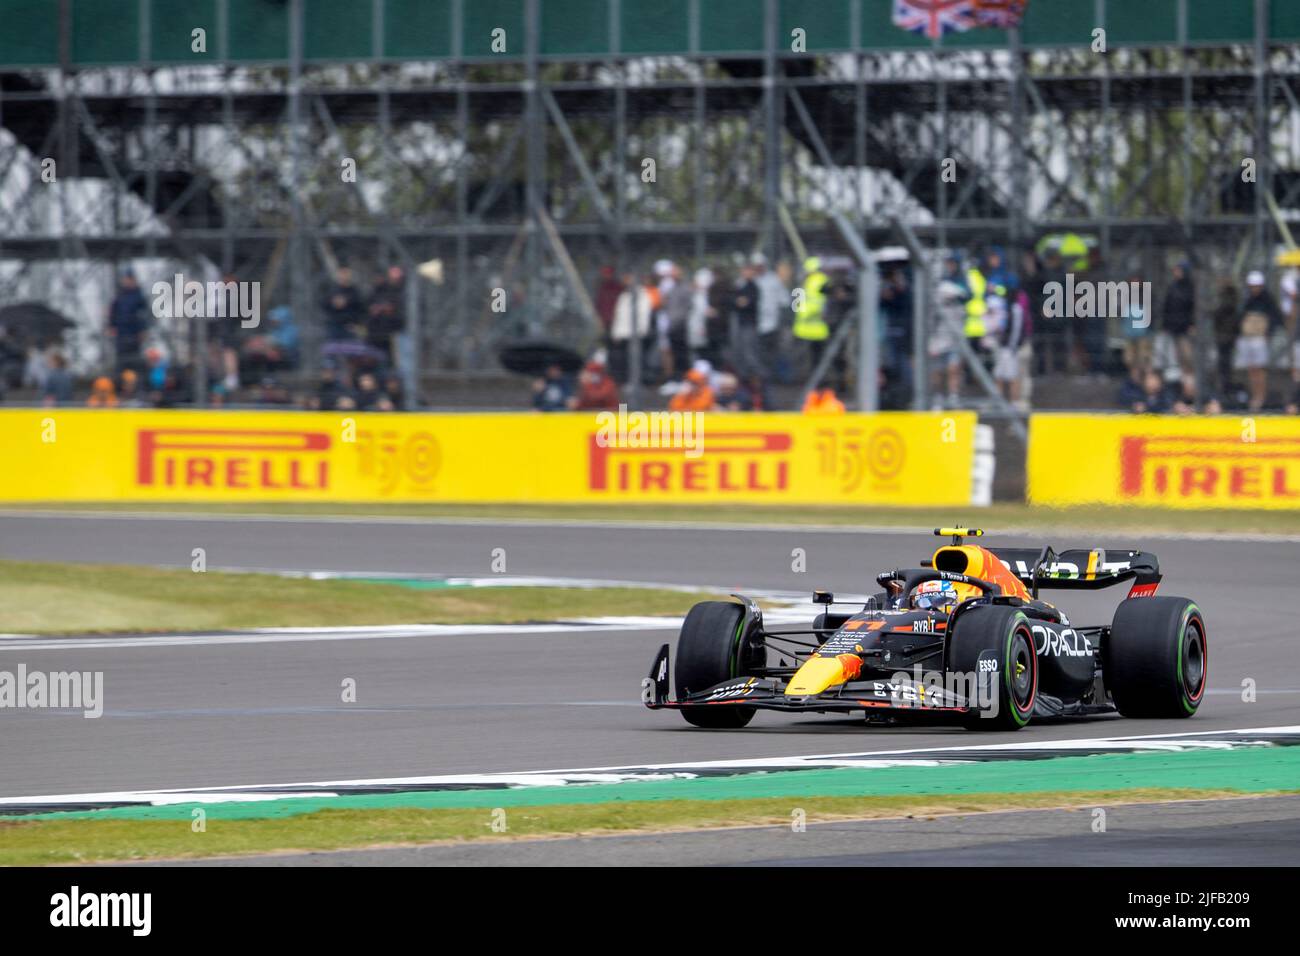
x: 964, y: 636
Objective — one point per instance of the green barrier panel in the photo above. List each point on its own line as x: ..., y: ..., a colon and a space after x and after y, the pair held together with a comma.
x: 418, y: 29
x: 104, y: 31
x: 1214, y: 20
x: 1284, y: 20
x: 30, y: 33
x: 658, y: 28
x: 482, y: 17
x: 827, y: 24
x: 1064, y: 23
x: 575, y: 28
x: 1146, y: 23
x: 171, y: 37
x: 337, y: 30
x: 731, y: 26
x: 108, y: 32
x: 259, y: 30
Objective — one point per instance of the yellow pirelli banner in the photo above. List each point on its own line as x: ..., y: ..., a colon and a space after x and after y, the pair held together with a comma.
x: 127, y: 455
x: 1172, y: 461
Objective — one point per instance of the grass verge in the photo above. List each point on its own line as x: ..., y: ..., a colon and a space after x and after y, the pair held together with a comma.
x: 54, y: 841
x: 54, y: 598
x: 996, y: 518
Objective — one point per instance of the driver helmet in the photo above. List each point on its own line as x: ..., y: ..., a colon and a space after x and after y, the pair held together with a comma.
x: 934, y: 595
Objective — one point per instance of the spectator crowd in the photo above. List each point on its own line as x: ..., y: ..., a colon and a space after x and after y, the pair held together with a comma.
x: 360, y: 359
x: 730, y: 335
x: 716, y: 340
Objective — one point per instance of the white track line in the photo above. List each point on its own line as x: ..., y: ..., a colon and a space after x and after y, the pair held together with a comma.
x: 939, y: 756
x: 520, y: 581
x: 289, y: 635
x: 305, y: 634
x: 1035, y: 531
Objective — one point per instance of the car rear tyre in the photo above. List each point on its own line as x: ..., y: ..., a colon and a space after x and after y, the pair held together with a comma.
x: 1000, y: 635
x: 710, y: 650
x: 1155, y: 660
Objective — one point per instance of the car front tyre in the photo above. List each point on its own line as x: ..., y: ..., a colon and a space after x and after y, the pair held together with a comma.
x: 999, y: 634
x: 711, y: 649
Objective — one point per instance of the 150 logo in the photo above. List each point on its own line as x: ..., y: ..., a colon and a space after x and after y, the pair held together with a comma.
x: 391, y: 458
x: 849, y: 455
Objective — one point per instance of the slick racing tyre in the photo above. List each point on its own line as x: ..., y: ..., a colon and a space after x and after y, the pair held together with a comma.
x: 1156, y: 658
x: 710, y: 650
x: 992, y: 645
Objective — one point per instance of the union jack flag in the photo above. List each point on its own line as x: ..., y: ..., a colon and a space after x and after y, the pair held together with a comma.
x: 1001, y: 14
x: 934, y: 18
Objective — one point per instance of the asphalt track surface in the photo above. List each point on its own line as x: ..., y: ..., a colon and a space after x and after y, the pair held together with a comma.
x: 1250, y: 832
x: 193, y: 716
x: 225, y: 714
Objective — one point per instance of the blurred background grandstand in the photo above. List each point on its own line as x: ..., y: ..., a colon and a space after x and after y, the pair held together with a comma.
x: 490, y: 171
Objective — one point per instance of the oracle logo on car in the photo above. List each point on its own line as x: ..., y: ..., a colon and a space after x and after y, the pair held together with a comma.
x: 232, y: 459
x: 735, y: 462
x: 1198, y: 468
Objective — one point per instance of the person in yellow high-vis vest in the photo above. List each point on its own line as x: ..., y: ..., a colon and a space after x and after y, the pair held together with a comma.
x: 810, y: 318
x: 976, y: 306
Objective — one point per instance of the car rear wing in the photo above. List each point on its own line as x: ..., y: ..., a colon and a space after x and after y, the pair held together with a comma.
x: 1083, y: 569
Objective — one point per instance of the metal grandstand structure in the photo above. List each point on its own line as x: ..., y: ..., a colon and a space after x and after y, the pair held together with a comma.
x: 511, y: 138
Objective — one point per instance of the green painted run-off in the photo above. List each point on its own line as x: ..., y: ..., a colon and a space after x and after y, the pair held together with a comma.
x: 1254, y: 769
